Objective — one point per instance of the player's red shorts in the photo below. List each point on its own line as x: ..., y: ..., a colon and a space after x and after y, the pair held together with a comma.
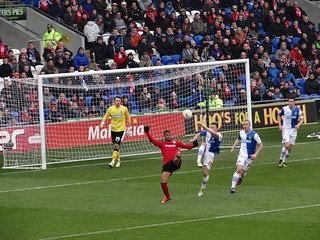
x: 171, y: 166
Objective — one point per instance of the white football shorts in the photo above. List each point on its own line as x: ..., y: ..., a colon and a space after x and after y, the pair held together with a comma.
x: 289, y: 136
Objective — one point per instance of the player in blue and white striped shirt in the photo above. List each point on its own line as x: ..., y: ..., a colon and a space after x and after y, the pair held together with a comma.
x: 249, y: 140
x: 213, y: 139
x: 292, y: 119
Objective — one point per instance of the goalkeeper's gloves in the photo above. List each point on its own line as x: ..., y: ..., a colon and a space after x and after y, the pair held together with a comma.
x: 146, y: 128
x: 195, y: 143
x: 102, y: 124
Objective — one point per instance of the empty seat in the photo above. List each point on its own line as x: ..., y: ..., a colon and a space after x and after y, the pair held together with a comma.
x: 304, y: 97
x: 315, y: 96
x: 198, y: 39
x: 176, y: 58
x: 167, y: 60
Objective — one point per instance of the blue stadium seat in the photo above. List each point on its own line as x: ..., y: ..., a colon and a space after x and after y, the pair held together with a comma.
x: 301, y: 89
x: 176, y: 58
x: 304, y: 97
x: 275, y: 41
x: 198, y: 39
x: 88, y: 101
x: 315, y: 96
x: 167, y: 60
x: 229, y: 104
x: 228, y: 12
x: 296, y: 40
x: 300, y: 82
x: 217, y: 71
x: 146, y: 110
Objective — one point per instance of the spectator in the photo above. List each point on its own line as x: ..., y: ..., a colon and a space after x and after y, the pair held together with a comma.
x: 109, y: 23
x: 311, y: 85
x: 91, y: 31
x: 63, y: 48
x: 119, y: 22
x: 186, y: 26
x: 304, y: 68
x: 164, y: 47
x: 277, y: 95
x: 256, y: 96
x: 48, y: 67
x: 144, y: 47
x: 69, y: 17
x: 289, y: 78
x: 33, y: 55
x: 295, y: 53
x: 282, y: 50
x: 135, y: 13
x: 5, y: 68
x: 3, y: 50
x: 145, y: 60
x: 187, y: 52
x: 47, y: 97
x: 80, y: 59
x: 23, y: 60
x: 285, y: 90
x: 88, y: 6
x: 131, y: 62
x: 240, y: 36
x: 51, y: 36
x: 14, y: 64
x: 293, y: 93
x: 294, y: 69
x: 121, y: 58
x: 214, y: 102
x: 268, y: 95
x: 100, y: 51
x: 56, y: 10
x: 198, y: 26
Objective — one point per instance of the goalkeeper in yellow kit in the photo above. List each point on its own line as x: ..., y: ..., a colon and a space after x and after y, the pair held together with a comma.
x: 120, y: 119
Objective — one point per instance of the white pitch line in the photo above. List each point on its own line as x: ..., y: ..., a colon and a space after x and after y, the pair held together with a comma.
x: 181, y: 222
x: 127, y: 160
x: 131, y: 178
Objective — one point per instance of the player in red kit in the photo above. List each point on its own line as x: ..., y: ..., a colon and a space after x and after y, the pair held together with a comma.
x: 171, y: 157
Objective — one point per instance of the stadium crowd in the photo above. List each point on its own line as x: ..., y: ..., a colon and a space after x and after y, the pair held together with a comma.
x: 283, y: 46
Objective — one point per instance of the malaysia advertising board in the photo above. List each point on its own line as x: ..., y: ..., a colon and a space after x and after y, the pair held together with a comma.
x: 86, y: 133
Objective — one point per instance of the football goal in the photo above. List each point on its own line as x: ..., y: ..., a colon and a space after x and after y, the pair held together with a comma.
x: 55, y: 118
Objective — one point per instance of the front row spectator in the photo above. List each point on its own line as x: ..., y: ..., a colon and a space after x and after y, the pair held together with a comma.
x: 214, y: 102
x: 311, y: 85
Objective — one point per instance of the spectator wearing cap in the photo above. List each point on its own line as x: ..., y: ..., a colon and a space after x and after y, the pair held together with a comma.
x: 311, y: 85
x: 68, y: 61
x: 80, y: 59
x: 144, y: 47
x: 164, y: 47
x: 293, y: 93
x: 131, y: 62
x: 169, y: 8
x: 51, y: 36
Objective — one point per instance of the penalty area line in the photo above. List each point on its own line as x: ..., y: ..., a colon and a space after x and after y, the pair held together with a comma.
x: 133, y: 178
x: 154, y: 225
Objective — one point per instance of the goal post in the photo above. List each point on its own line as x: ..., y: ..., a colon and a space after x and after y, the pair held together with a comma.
x: 59, y: 115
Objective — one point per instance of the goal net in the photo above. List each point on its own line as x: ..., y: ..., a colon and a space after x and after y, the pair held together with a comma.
x: 56, y: 117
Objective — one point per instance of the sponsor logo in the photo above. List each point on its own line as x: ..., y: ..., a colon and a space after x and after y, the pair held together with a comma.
x: 95, y: 133
x: 6, y: 137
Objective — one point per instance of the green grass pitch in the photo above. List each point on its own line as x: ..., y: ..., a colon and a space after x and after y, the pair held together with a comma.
x: 86, y: 200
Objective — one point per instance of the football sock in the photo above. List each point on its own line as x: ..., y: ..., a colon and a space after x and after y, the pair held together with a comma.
x: 283, y: 153
x: 235, y: 178
x: 204, y: 182
x: 115, y: 154
x: 165, y: 189
x: 200, y: 153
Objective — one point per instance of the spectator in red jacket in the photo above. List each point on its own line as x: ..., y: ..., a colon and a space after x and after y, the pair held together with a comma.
x: 3, y: 50
x: 121, y: 58
x: 296, y: 54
